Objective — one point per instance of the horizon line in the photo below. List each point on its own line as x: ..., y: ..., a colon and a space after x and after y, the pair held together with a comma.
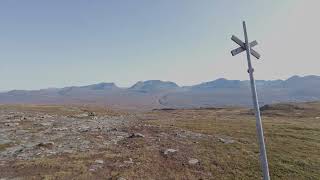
x: 301, y: 76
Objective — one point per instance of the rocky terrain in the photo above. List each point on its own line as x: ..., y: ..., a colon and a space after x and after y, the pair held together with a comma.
x: 86, y: 142
x: 33, y: 135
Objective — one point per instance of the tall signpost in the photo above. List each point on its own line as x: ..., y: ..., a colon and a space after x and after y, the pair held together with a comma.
x: 246, y: 46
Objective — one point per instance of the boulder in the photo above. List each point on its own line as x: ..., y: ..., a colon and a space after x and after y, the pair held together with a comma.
x: 169, y: 152
x: 136, y: 135
x: 193, y: 161
x: 226, y: 141
x: 99, y: 161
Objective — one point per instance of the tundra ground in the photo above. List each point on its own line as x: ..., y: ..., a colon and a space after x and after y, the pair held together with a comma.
x: 73, y: 142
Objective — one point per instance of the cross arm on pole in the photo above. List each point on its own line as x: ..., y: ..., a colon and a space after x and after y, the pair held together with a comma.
x: 255, y: 54
x: 243, y: 47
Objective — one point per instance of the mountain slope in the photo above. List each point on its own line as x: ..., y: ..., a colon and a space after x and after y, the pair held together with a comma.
x: 154, y: 86
x: 222, y: 92
x: 160, y: 94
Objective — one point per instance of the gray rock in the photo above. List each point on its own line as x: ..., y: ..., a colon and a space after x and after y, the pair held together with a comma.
x: 193, y: 161
x: 46, y: 124
x: 81, y: 115
x: 69, y: 151
x: 4, y: 140
x: 180, y: 135
x: 99, y: 161
x: 12, y: 124
x: 60, y: 129
x: 129, y: 162
x: 226, y: 141
x: 47, y: 116
x: 15, y: 150
x: 84, y: 128
x: 21, y: 132
x: 94, y: 167
x: 91, y: 114
x: 136, y: 135
x: 30, y: 144
x: 169, y: 151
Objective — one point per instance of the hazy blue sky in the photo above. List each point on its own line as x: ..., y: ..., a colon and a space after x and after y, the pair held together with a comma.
x: 76, y: 42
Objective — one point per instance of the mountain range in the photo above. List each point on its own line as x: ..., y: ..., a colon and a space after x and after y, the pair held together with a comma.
x: 165, y: 94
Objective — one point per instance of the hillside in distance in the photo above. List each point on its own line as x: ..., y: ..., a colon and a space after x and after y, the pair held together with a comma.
x: 165, y: 94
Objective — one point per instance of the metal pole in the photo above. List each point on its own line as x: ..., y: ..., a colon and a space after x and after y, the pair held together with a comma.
x: 263, y: 154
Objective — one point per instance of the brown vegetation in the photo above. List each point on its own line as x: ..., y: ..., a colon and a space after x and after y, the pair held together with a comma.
x: 223, y: 140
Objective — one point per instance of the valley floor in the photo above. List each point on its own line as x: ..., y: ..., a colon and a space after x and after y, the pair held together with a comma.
x: 73, y: 142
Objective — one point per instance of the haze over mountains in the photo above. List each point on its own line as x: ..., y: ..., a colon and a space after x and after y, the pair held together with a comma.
x: 161, y: 94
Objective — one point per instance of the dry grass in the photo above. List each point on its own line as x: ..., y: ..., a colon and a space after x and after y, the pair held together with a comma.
x: 4, y: 146
x: 66, y: 110
x: 293, y: 143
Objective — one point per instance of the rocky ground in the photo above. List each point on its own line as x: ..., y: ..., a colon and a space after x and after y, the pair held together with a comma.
x: 70, y: 142
x: 30, y: 135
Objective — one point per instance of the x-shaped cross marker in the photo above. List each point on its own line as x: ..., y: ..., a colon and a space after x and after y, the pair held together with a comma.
x: 243, y: 47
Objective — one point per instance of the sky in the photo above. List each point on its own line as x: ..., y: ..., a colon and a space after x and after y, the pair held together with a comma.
x: 78, y: 42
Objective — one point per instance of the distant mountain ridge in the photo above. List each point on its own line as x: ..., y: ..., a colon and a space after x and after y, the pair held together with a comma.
x: 166, y: 94
x: 154, y: 85
x: 219, y: 83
